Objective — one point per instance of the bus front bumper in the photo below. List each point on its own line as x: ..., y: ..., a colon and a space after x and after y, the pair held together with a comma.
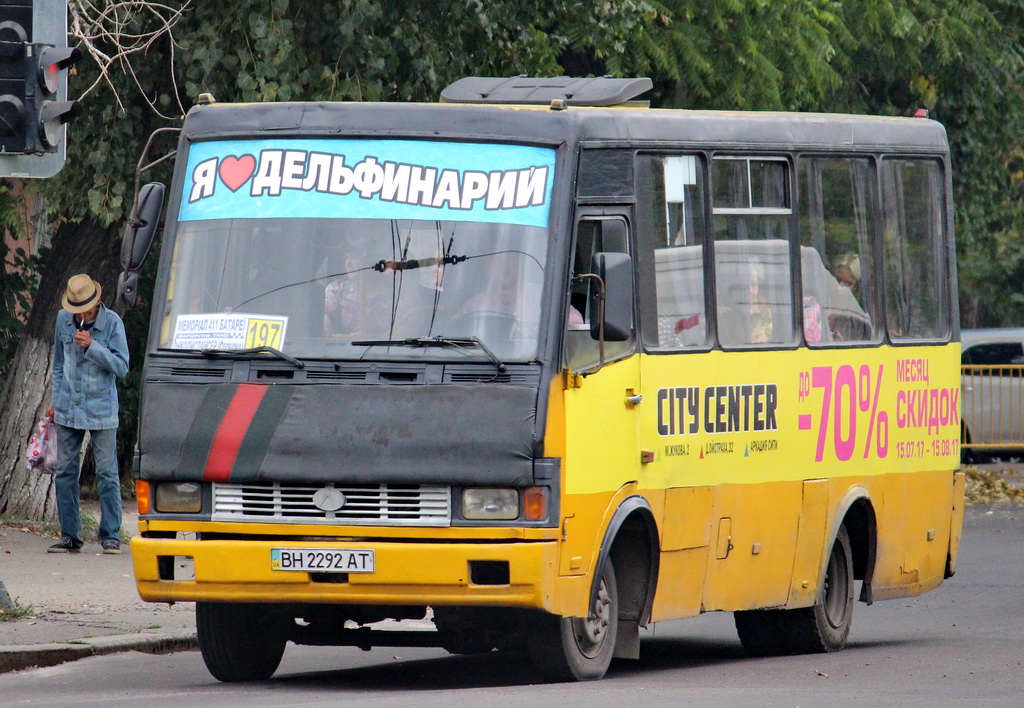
x: 405, y: 573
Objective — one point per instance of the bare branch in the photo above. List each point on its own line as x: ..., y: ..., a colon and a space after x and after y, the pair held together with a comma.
x: 108, y: 31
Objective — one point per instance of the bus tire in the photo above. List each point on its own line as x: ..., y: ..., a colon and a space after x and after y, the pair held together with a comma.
x: 823, y: 627
x: 578, y: 649
x: 237, y: 642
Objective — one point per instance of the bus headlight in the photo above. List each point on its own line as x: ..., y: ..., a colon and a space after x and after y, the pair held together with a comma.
x: 178, y: 498
x: 490, y: 504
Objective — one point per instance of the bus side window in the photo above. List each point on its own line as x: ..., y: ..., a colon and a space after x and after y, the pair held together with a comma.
x: 672, y: 230
x: 752, y: 226
x: 587, y: 233
x: 840, y: 288
x: 916, y: 274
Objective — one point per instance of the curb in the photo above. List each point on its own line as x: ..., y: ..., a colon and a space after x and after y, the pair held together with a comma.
x: 15, y: 658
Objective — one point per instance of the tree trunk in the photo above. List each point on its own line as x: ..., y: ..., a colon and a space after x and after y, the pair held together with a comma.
x: 77, y: 248
x: 971, y: 311
x: 25, y: 493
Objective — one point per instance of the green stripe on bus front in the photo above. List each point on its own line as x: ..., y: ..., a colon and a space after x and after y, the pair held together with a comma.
x: 261, y: 430
x: 196, y: 446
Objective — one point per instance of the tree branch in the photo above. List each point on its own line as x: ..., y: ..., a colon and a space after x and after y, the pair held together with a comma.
x: 112, y: 34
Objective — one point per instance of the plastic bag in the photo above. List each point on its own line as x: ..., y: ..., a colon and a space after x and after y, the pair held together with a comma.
x: 41, y: 453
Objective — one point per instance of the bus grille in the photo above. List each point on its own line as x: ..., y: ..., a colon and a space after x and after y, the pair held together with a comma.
x: 364, y: 504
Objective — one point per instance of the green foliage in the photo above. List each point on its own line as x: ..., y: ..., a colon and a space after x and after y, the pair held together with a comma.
x: 754, y: 55
x: 364, y: 50
x: 985, y: 117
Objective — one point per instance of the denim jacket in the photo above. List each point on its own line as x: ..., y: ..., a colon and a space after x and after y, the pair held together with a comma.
x: 84, y: 380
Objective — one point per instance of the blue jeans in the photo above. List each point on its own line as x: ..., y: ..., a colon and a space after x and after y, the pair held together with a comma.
x: 104, y: 450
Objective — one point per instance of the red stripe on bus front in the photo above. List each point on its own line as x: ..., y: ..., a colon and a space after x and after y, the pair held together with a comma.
x: 231, y: 432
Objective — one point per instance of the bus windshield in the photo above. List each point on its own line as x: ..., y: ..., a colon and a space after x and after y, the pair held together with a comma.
x: 330, y: 248
x: 331, y: 288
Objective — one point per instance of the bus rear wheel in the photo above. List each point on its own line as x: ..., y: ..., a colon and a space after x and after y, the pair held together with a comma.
x: 823, y: 627
x: 574, y: 648
x: 237, y: 642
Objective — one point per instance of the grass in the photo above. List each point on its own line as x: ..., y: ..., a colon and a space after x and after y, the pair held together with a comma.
x: 90, y: 525
x: 16, y: 613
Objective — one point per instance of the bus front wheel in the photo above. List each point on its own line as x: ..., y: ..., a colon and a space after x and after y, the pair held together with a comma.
x: 574, y: 648
x: 823, y: 627
x: 237, y: 642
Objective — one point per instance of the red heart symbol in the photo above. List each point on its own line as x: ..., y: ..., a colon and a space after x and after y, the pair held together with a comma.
x: 236, y: 171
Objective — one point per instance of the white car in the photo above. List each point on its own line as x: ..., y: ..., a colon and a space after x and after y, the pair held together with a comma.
x: 993, y: 392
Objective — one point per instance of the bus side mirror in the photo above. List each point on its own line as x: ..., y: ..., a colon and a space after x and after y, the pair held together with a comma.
x: 615, y: 271
x: 138, y: 240
x: 141, y: 232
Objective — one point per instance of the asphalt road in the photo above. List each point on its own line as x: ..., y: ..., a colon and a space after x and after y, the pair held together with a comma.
x: 962, y: 644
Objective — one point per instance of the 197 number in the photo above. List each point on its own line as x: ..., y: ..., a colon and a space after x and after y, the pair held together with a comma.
x: 264, y: 333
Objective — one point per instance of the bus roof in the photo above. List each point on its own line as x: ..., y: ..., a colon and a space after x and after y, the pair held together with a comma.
x: 547, y: 125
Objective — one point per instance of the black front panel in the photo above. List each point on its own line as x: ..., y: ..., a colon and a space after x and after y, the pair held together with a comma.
x: 450, y: 434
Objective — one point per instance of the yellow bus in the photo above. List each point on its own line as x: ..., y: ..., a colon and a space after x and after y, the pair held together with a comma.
x: 544, y: 366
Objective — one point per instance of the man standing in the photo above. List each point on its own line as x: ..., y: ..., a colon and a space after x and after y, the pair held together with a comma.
x: 90, y: 352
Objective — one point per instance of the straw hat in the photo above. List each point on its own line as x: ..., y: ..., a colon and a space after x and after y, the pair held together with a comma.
x: 82, y: 295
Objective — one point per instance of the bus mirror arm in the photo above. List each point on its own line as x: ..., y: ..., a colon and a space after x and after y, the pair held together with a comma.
x: 611, y: 297
x: 611, y: 300
x: 597, y: 295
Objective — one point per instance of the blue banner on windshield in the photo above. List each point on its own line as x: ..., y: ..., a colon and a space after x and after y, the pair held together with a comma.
x: 368, y: 179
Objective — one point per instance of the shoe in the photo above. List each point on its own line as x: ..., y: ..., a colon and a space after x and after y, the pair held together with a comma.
x: 65, y: 545
x: 111, y: 546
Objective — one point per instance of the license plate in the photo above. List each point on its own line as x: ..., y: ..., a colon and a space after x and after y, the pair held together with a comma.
x: 322, y: 560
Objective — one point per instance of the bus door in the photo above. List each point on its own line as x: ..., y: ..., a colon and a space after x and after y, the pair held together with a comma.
x: 601, y: 419
x: 672, y: 229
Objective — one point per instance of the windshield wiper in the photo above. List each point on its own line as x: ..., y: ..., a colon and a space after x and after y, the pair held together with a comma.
x: 439, y: 341
x: 232, y: 353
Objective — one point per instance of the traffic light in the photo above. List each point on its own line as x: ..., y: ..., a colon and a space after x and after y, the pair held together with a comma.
x: 34, y: 63
x: 49, y: 113
x: 15, y: 27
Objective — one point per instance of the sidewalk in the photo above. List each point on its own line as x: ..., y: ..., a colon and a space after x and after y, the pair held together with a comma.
x: 81, y: 604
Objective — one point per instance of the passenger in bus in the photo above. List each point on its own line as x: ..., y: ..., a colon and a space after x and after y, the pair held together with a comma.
x: 847, y: 271
x: 356, y: 299
x: 420, y: 304
x: 744, y: 314
x: 498, y: 292
x: 759, y: 309
x: 578, y: 343
x: 507, y: 302
x: 341, y: 301
x: 847, y: 319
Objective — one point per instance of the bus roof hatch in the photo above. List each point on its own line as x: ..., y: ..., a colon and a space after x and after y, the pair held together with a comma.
x: 599, y: 91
